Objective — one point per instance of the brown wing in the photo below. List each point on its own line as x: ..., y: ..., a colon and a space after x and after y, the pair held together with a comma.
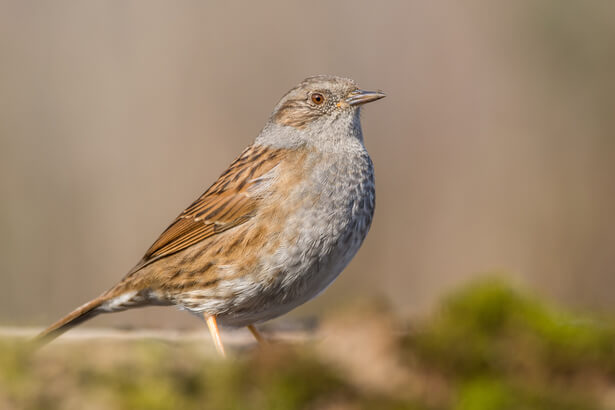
x: 226, y: 204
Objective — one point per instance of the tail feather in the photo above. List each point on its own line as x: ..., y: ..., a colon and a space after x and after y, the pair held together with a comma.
x: 74, y: 318
x: 115, y: 299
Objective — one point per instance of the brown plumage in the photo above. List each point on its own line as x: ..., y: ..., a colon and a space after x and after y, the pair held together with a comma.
x: 226, y: 204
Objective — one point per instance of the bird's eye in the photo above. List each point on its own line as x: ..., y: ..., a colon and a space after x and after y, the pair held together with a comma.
x: 318, y: 98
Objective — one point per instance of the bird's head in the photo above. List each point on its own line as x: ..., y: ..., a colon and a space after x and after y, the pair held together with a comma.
x: 321, y: 104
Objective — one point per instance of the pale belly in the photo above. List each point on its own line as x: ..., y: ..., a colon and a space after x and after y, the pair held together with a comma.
x: 292, y: 275
x: 293, y: 288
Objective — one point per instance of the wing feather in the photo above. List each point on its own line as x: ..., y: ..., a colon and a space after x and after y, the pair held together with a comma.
x: 226, y: 204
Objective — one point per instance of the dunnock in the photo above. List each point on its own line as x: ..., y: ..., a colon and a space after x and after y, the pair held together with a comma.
x: 273, y: 231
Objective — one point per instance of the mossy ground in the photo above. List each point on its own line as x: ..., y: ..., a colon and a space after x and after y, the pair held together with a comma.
x: 488, y: 346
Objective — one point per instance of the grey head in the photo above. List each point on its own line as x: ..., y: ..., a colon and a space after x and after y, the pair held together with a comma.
x: 320, y: 107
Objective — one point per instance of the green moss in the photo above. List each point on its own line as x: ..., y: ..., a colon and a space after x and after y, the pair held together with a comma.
x: 487, y: 326
x: 494, y: 394
x: 485, y: 394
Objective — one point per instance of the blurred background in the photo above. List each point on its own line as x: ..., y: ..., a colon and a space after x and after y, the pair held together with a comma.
x: 494, y: 150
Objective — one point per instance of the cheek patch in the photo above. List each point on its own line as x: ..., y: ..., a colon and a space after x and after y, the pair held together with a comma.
x: 296, y: 113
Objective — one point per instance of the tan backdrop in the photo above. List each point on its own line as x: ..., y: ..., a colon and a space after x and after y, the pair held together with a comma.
x: 494, y: 150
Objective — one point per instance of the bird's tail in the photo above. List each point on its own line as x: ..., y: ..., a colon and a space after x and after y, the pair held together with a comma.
x: 74, y: 318
x: 118, y: 298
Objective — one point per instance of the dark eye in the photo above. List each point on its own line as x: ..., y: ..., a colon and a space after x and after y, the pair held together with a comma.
x: 318, y: 98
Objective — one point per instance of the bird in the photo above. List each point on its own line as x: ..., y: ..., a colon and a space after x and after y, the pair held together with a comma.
x: 273, y: 231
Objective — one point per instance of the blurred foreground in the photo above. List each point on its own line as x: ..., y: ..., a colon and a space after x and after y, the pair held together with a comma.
x: 488, y: 346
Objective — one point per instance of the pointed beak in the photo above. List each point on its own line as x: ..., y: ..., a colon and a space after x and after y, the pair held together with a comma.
x: 360, y: 97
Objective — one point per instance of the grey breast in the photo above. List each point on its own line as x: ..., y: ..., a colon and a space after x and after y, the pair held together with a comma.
x: 329, y: 230
x: 334, y: 226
